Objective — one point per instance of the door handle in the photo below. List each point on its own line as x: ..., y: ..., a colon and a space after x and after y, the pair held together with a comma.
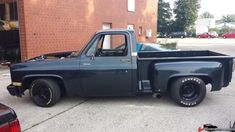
x: 125, y: 60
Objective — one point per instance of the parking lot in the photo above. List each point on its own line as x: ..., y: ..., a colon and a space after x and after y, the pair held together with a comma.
x: 142, y: 113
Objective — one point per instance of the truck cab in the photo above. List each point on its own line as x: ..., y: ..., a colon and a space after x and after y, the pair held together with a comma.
x: 110, y: 62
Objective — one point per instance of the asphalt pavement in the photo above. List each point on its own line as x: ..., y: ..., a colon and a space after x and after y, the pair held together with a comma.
x: 139, y: 114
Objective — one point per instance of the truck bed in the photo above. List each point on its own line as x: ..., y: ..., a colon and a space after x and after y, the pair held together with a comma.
x: 147, y: 60
x: 174, y: 54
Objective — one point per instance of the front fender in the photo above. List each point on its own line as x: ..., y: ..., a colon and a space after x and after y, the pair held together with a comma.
x: 164, y: 73
x: 27, y: 80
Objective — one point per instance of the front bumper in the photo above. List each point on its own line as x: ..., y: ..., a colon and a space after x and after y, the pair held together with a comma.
x: 14, y: 91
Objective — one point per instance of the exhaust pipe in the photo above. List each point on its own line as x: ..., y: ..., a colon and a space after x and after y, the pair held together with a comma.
x: 157, y: 95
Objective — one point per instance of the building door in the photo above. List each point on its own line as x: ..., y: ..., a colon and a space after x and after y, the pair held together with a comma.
x: 107, y: 39
x: 9, y: 32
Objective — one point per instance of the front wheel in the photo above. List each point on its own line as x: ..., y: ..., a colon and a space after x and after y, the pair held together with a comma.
x: 188, y: 91
x: 45, y: 92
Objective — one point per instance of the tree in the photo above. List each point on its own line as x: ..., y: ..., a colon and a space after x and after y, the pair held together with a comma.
x: 228, y: 18
x: 207, y: 15
x: 185, y: 14
x: 164, y: 16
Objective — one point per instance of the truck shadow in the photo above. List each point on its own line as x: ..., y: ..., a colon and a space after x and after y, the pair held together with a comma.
x: 143, y: 100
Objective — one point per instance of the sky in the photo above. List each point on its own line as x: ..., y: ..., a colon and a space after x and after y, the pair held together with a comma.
x: 216, y: 7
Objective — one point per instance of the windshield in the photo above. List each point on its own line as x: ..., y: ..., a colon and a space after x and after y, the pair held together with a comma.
x: 86, y: 45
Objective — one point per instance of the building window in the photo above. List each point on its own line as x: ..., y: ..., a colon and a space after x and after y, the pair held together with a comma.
x: 107, y: 38
x: 140, y: 31
x: 148, y: 33
x: 131, y: 5
x: 130, y: 26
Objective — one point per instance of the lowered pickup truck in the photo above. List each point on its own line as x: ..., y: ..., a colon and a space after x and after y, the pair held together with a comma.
x: 110, y: 66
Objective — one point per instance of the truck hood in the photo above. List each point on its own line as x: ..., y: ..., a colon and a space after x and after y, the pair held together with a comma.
x: 55, y: 56
x: 49, y: 61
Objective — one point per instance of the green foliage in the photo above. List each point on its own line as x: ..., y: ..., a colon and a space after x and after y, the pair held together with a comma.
x: 214, y: 30
x: 193, y: 31
x: 185, y: 14
x: 228, y: 18
x: 164, y: 16
x: 207, y: 15
x: 226, y: 30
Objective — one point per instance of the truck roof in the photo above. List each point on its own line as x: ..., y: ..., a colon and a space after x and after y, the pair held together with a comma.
x: 116, y: 29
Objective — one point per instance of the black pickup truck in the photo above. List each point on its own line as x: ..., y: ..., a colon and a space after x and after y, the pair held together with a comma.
x: 110, y: 66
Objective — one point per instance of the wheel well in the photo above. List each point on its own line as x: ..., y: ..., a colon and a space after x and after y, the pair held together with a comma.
x: 205, y: 79
x: 27, y: 82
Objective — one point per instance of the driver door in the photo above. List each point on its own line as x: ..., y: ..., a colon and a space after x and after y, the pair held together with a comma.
x: 107, y: 71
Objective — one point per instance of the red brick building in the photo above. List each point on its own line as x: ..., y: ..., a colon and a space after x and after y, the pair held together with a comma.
x: 58, y: 25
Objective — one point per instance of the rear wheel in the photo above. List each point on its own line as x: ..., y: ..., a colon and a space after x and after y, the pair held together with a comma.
x: 188, y: 91
x: 45, y: 92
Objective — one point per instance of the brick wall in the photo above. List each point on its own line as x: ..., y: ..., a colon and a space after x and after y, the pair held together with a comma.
x: 59, y: 25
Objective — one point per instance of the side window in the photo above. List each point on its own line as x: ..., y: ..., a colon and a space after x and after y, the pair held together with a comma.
x: 109, y: 45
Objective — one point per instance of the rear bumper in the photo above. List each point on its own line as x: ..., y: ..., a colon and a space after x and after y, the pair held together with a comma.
x: 14, y: 91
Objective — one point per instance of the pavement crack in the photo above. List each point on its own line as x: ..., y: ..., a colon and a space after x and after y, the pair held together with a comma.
x: 85, y: 100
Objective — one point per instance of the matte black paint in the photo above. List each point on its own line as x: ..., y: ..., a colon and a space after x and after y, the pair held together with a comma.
x: 119, y: 76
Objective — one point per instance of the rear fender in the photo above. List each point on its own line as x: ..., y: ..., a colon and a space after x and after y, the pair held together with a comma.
x: 206, y: 78
x: 209, y: 72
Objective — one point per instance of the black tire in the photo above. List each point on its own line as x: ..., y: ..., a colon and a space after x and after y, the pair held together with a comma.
x: 188, y: 91
x: 45, y: 92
